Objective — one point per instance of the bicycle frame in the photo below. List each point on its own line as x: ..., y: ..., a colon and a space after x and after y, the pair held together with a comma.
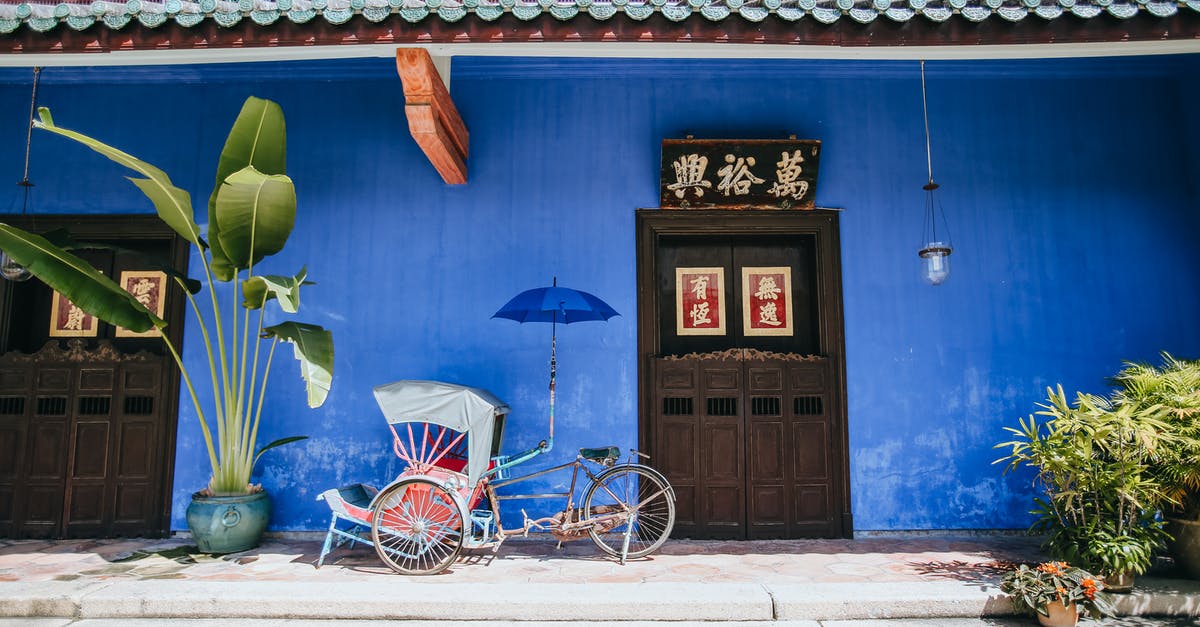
x: 566, y: 523
x: 541, y: 523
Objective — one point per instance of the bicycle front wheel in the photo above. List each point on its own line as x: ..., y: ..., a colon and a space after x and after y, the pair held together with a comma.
x: 639, y: 490
x: 417, y: 527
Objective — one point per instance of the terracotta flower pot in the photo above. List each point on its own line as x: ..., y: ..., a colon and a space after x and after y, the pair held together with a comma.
x: 1059, y: 616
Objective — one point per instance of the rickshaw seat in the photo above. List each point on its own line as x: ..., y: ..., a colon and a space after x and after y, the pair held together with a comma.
x: 603, y: 455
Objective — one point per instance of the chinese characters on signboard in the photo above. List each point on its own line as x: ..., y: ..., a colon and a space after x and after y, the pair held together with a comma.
x: 767, y: 301
x: 149, y: 288
x: 700, y: 174
x: 67, y: 320
x: 700, y: 301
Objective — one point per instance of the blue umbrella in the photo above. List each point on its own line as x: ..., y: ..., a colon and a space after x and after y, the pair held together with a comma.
x: 555, y: 305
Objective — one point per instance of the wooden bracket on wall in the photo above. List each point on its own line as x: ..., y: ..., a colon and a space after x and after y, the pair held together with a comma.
x: 432, y: 117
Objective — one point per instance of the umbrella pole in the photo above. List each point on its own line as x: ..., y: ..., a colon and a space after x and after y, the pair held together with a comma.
x: 553, y: 369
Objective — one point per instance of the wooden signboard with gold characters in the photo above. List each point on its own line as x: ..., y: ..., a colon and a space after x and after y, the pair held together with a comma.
x: 739, y: 173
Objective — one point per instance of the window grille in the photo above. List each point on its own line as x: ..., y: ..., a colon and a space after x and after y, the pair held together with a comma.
x: 94, y: 405
x: 52, y: 406
x: 139, y: 405
x: 722, y: 406
x: 677, y: 406
x: 765, y: 406
x: 12, y: 406
x: 808, y: 406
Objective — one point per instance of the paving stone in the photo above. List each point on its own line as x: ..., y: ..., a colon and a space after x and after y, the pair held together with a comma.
x: 926, y: 579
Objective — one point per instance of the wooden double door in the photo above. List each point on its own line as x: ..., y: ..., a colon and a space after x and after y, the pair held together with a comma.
x: 87, y: 423
x: 747, y: 421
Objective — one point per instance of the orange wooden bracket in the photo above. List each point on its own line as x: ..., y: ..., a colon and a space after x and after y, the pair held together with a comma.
x: 432, y: 117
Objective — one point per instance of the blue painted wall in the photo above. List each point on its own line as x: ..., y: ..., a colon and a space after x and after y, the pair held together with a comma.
x: 1068, y: 186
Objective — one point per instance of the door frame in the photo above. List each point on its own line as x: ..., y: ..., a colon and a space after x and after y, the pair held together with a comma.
x: 124, y: 227
x: 653, y: 224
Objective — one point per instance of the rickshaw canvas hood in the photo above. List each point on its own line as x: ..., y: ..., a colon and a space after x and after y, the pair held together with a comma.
x: 465, y: 409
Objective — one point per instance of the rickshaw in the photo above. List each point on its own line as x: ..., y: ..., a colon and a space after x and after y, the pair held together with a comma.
x: 445, y: 500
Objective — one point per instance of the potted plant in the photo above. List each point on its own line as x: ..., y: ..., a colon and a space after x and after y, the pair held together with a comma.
x: 1092, y: 463
x: 1056, y: 593
x: 251, y: 212
x: 1172, y: 391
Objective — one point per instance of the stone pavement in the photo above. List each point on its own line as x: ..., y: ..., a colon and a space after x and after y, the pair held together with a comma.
x: 92, y: 583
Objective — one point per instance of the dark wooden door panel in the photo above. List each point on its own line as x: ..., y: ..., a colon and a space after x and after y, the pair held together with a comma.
x: 813, y: 507
x: 767, y: 462
x: 86, y: 505
x: 721, y: 451
x: 85, y: 458
x: 12, y: 447
x: 39, y: 511
x: 90, y: 450
x: 135, y: 453
x: 810, y: 445
x: 47, y: 451
x: 750, y: 456
x: 7, y: 509
x: 53, y: 379
x: 724, y: 512
x: 768, y: 516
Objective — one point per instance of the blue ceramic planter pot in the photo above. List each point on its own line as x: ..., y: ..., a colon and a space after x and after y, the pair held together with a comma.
x: 228, y: 524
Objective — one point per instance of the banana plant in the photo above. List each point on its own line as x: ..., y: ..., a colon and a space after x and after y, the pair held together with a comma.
x: 251, y: 212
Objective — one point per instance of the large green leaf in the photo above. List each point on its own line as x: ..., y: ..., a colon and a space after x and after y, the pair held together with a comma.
x: 256, y: 213
x: 173, y: 204
x: 279, y: 442
x: 257, y: 290
x: 314, y: 349
x: 258, y: 138
x: 76, y: 279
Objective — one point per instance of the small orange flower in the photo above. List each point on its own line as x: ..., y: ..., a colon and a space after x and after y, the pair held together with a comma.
x: 1052, y: 568
x: 1061, y: 591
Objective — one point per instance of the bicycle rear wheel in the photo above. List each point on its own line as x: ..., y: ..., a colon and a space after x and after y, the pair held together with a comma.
x: 417, y: 527
x: 640, y: 489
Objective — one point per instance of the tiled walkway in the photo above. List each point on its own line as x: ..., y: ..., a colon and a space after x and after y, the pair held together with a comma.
x: 963, y: 559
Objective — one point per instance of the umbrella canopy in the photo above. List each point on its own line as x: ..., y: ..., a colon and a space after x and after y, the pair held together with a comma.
x: 561, y: 305
x: 556, y: 305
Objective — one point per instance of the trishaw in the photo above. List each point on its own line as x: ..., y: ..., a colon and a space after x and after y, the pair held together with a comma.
x: 445, y: 500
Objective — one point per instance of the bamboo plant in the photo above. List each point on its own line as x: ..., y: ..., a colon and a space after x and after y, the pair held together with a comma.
x: 251, y: 212
x: 1092, y: 463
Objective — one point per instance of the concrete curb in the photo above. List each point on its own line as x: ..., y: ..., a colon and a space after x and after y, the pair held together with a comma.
x: 387, y: 600
x: 41, y: 598
x: 1160, y: 597
x: 390, y: 599
x: 887, y: 600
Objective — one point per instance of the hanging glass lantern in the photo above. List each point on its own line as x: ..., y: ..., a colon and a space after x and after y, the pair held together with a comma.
x: 935, y: 265
x: 935, y: 251
x: 12, y: 270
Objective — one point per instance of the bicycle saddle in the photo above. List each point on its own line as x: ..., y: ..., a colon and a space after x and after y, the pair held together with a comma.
x: 605, y: 455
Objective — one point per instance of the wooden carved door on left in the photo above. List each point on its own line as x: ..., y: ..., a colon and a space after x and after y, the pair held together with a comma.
x: 87, y: 412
